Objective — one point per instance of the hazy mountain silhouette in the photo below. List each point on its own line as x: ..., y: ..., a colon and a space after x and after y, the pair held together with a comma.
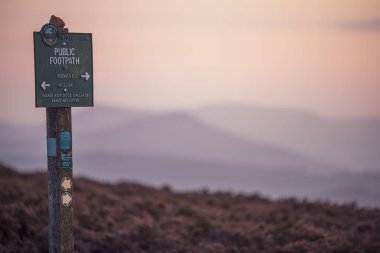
x: 353, y: 144
x: 101, y: 118
x: 180, y: 135
x: 183, y: 174
x: 190, y: 150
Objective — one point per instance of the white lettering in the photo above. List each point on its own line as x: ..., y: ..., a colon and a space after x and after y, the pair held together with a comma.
x: 64, y: 60
x: 64, y: 51
x: 64, y: 56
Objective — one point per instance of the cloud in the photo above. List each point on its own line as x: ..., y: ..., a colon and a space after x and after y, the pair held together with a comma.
x: 362, y: 25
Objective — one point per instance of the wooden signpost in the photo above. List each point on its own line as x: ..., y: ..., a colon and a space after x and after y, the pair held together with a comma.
x: 63, y: 79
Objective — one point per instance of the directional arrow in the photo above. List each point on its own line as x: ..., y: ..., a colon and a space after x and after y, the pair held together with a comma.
x: 85, y: 76
x: 66, y: 199
x: 66, y: 184
x: 44, y: 85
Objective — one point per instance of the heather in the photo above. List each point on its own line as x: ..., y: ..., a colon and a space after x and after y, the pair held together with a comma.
x: 129, y: 217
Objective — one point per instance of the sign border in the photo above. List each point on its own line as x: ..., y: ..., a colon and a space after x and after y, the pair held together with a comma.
x: 35, y: 72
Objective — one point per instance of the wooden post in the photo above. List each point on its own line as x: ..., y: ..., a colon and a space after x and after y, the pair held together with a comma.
x: 63, y: 78
x: 60, y: 175
x: 60, y: 188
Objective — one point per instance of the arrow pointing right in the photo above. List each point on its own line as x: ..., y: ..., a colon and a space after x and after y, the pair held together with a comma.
x: 66, y: 199
x: 86, y: 76
x: 44, y: 85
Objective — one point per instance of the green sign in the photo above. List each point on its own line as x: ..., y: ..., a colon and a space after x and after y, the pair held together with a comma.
x: 65, y: 161
x: 63, y: 68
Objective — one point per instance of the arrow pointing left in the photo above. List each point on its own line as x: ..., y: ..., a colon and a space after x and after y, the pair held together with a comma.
x: 66, y: 184
x: 44, y: 85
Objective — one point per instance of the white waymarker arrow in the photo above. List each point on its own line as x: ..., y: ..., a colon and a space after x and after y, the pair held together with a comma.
x: 44, y: 85
x: 66, y: 199
x: 85, y: 76
x: 66, y: 184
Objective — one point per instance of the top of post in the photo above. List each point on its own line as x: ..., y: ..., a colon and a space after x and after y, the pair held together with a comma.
x: 59, y: 23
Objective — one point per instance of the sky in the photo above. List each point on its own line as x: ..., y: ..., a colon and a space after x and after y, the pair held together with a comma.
x: 318, y: 56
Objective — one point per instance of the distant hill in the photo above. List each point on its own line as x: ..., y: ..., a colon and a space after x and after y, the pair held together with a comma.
x: 128, y: 217
x: 183, y: 174
x: 348, y: 143
x: 101, y: 118
x: 180, y: 135
x: 188, y: 150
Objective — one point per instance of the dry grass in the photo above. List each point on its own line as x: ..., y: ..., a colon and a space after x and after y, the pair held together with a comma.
x: 133, y: 218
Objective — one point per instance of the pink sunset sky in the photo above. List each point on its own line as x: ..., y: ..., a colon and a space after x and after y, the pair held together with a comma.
x: 318, y: 56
